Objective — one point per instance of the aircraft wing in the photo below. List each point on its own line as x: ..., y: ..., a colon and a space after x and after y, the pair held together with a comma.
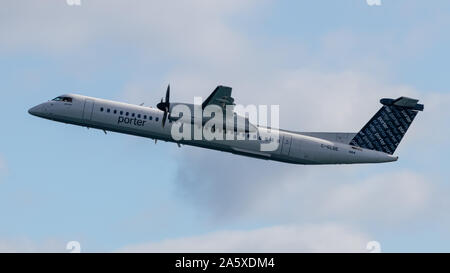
x: 221, y: 96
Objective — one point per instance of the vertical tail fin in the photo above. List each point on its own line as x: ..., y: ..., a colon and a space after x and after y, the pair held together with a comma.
x: 387, y: 127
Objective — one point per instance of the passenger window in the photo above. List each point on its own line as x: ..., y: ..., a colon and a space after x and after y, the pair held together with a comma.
x: 145, y: 116
x: 132, y: 115
x: 121, y: 112
x: 108, y: 110
x: 126, y: 114
x: 115, y: 111
x: 139, y: 115
x: 101, y: 109
x: 150, y: 117
x: 156, y: 119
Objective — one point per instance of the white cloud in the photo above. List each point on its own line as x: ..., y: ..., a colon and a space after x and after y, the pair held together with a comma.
x: 339, y: 101
x: 390, y: 197
x: 193, y: 29
x: 432, y: 120
x: 231, y: 188
x: 291, y: 238
x: 25, y: 245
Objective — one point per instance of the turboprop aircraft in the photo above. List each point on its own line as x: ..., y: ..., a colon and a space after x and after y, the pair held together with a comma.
x: 376, y: 142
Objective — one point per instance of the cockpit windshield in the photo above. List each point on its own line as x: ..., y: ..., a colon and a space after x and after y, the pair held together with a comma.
x: 64, y: 99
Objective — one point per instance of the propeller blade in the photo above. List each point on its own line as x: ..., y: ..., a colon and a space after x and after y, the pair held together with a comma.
x: 168, y: 93
x: 164, y: 119
x: 165, y: 106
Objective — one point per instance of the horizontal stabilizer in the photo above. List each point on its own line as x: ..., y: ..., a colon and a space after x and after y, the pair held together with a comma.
x: 404, y: 102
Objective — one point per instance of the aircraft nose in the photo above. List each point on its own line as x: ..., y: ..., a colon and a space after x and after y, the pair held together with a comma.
x: 35, y: 111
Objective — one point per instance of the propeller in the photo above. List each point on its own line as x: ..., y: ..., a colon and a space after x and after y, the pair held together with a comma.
x: 165, y: 106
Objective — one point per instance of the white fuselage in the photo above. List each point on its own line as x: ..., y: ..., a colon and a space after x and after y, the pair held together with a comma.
x: 146, y: 122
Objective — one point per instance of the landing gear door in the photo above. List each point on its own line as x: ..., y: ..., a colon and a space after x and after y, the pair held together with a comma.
x: 286, y: 147
x: 88, y: 107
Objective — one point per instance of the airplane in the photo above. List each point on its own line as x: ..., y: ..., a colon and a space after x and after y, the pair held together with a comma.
x: 376, y: 142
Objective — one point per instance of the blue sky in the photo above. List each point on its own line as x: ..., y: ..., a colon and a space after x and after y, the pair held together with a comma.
x: 326, y: 63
